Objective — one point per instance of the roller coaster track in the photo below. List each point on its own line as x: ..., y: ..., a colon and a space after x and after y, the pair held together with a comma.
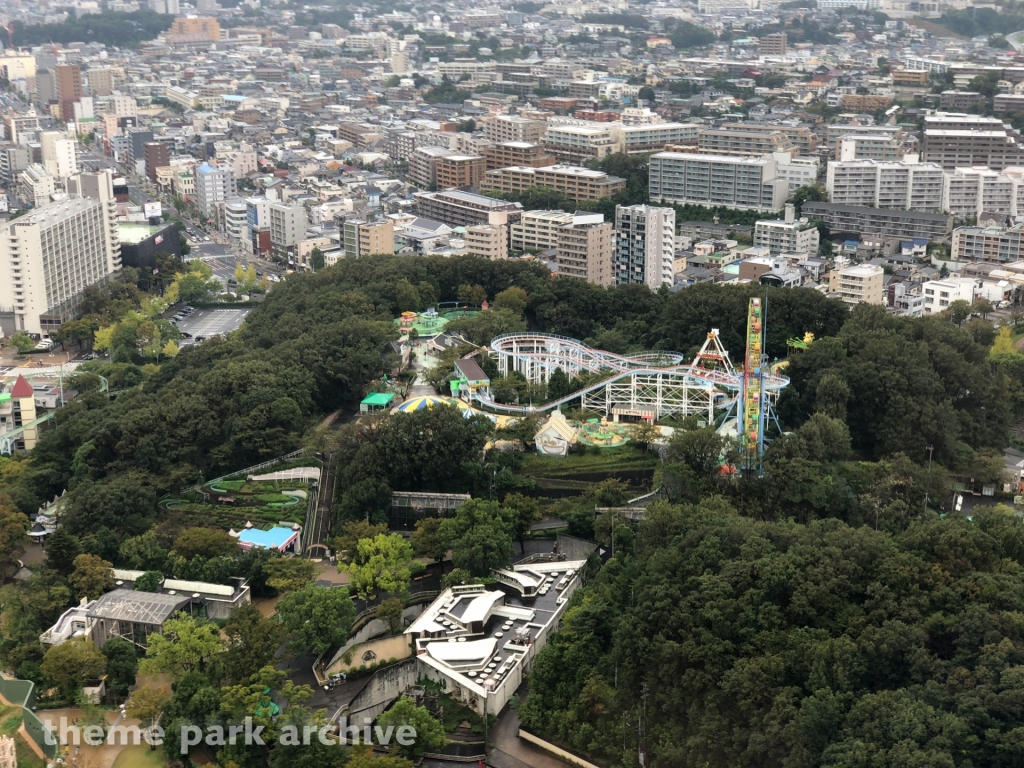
x: 658, y: 381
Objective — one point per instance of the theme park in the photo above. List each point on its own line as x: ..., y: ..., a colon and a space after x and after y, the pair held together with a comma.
x: 655, y: 388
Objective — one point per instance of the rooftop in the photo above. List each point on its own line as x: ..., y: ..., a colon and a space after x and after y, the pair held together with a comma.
x: 136, y: 233
x: 137, y: 607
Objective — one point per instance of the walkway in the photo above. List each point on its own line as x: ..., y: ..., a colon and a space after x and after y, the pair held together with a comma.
x: 509, y: 751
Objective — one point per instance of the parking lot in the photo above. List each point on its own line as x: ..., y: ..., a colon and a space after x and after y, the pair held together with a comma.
x: 210, y: 322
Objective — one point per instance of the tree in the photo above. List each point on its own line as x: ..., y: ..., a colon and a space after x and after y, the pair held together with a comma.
x: 316, y: 259
x: 480, y: 534
x: 430, y: 735
x: 456, y: 578
x: 288, y: 574
x: 103, y: 338
x: 317, y: 617
x: 239, y: 273
x: 381, y: 564
x: 514, y: 299
x: 351, y: 532
x: 645, y: 434
x: 61, y: 550
x: 390, y: 612
x: 146, y: 704
x: 122, y: 664
x: 205, y: 542
x: 473, y: 295
x: 959, y: 311
x: 983, y: 307
x: 14, y: 526
x: 646, y: 94
x: 91, y: 577
x: 426, y: 539
x: 184, y: 644
x: 1004, y: 342
x: 523, y: 511
x: 252, y: 641
x: 170, y: 349
x: 150, y: 581
x: 559, y: 385
x: 73, y: 663
x: 23, y: 342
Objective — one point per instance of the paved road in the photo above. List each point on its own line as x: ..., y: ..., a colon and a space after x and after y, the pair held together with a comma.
x: 508, y: 750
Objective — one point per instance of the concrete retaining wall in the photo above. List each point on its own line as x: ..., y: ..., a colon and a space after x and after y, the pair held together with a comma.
x: 383, y: 687
x: 395, y: 647
x: 547, y: 746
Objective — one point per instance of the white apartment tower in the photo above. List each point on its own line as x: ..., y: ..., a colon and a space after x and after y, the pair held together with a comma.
x: 214, y: 185
x: 287, y: 228
x: 52, y: 254
x: 907, y: 185
x: 59, y: 156
x: 787, y: 235
x: 645, y: 245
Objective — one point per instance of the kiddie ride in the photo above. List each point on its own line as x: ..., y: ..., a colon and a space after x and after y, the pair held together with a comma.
x: 654, y: 384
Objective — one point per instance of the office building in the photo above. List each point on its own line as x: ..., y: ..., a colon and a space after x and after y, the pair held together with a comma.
x: 67, y: 79
x: 46, y: 89
x: 537, y: 230
x: 158, y: 155
x: 645, y: 246
x: 236, y: 225
x: 462, y: 209
x: 52, y: 254
x: 365, y: 238
x: 990, y: 244
x: 517, y: 153
x: 787, y: 235
x: 502, y: 128
x: 137, y: 140
x: 939, y: 294
x: 772, y: 45
x: 585, y: 249
x: 458, y: 171
x: 858, y: 284
x: 906, y: 185
x: 35, y: 186
x: 877, y: 221
x: 140, y: 243
x: 740, y: 183
x: 287, y: 228
x: 488, y: 241
x: 966, y: 141
x: 570, y: 180
x: 214, y: 185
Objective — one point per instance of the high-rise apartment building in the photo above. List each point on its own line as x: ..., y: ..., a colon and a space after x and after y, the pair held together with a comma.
x: 644, y: 246
x: 458, y: 171
x: 52, y: 254
x: 787, y: 235
x: 287, y: 227
x: 572, y: 181
x: 502, y: 128
x: 137, y: 140
x: 993, y: 244
x: 35, y: 186
x: 858, y: 284
x: 68, y: 86
x: 461, y: 209
x: 740, y: 183
x: 158, y: 155
x: 538, y: 230
x: 773, y: 44
x: 13, y: 160
x: 877, y: 221
x: 59, y: 154
x: 366, y: 238
x: 518, y: 153
x: 585, y: 249
x: 973, y: 191
x: 907, y: 185
x: 423, y: 165
x: 966, y: 141
x: 214, y: 185
x: 744, y: 143
x: 488, y: 241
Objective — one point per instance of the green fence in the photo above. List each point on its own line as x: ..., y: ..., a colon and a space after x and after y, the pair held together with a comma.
x: 23, y: 693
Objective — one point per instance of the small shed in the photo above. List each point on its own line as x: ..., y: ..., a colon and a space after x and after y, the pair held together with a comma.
x: 555, y: 436
x: 376, y: 401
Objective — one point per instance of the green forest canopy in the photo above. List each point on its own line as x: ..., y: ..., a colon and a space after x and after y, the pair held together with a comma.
x: 113, y: 28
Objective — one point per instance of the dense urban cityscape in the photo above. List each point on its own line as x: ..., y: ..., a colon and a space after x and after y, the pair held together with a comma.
x: 619, y: 384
